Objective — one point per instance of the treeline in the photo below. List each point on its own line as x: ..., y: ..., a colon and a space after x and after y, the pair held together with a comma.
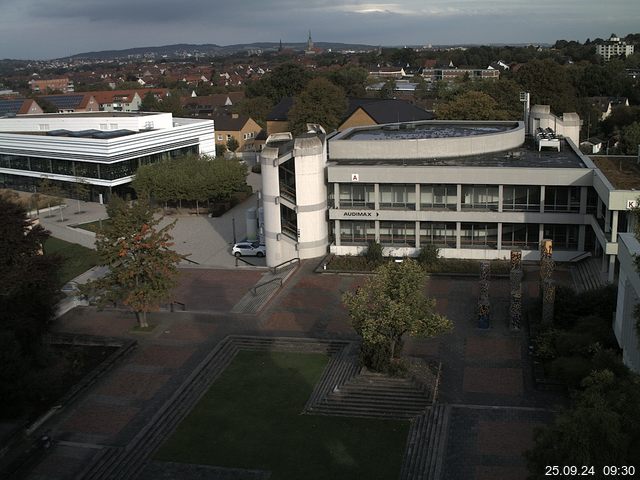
x: 191, y: 179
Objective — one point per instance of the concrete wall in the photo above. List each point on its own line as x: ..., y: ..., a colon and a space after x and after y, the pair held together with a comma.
x: 567, y: 126
x: 624, y: 325
x: 344, y: 148
x: 93, y: 121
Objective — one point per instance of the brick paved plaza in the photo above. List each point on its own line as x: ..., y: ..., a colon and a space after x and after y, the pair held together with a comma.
x: 485, y: 375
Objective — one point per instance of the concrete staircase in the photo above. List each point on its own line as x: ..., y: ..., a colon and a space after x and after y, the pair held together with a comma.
x: 128, y: 462
x: 256, y: 298
x: 426, y: 443
x: 587, y: 275
x: 374, y: 395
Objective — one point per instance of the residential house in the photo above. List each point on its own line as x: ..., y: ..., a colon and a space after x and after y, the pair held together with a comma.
x: 605, y: 105
x: 52, y: 84
x: 241, y: 127
x: 75, y: 102
x: 19, y: 106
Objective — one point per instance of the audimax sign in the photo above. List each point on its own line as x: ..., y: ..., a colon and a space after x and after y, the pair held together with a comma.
x: 360, y: 214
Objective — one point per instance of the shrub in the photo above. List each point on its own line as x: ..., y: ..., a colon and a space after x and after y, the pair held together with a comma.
x: 428, y: 255
x: 374, y: 253
x: 570, y: 370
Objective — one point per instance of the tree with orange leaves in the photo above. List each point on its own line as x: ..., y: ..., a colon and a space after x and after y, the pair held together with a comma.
x: 142, y: 265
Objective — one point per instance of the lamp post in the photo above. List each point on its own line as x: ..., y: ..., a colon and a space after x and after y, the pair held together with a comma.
x: 233, y: 227
x: 608, y: 141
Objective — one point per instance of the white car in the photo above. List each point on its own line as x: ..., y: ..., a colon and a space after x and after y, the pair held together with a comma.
x: 248, y: 249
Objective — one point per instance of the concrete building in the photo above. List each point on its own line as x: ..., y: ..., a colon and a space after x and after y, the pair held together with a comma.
x: 624, y: 325
x: 103, y: 149
x: 473, y: 189
x: 614, y: 47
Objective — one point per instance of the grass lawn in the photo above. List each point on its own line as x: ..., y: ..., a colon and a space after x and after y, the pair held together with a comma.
x: 250, y: 418
x: 93, y: 226
x: 76, y: 258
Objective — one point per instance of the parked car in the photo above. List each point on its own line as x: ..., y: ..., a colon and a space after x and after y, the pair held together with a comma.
x: 248, y: 249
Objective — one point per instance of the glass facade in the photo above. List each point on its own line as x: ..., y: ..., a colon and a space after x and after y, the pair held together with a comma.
x: 398, y: 234
x: 519, y: 198
x: 289, y: 220
x: 438, y: 234
x: 438, y: 197
x: 562, y: 199
x: 479, y: 235
x: 355, y: 195
x: 287, y: 176
x: 398, y: 196
x: 565, y: 237
x: 96, y: 170
x: 357, y: 233
x: 520, y: 235
x: 480, y: 197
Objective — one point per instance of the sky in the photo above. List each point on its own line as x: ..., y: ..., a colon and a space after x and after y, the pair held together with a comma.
x: 44, y: 29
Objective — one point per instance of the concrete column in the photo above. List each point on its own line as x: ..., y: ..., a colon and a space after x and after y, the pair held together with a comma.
x: 500, y: 225
x: 336, y: 231
x: 614, y: 226
x: 417, y: 234
x: 500, y: 199
x: 376, y: 194
x: 541, y: 232
x: 607, y: 221
x: 599, y: 205
x: 336, y: 195
x: 612, y: 268
x: 603, y: 266
x: 417, y: 197
x: 542, y: 194
x: 583, y: 200
x: 581, y: 237
x: 458, y: 224
x: 377, y: 229
x: 459, y: 202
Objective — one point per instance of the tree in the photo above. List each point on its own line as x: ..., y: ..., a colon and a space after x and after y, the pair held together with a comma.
x: 53, y: 193
x: 388, y: 89
x: 232, y: 144
x: 630, y: 141
x: 286, y: 80
x: 602, y: 428
x: 549, y: 84
x: 149, y: 103
x: 390, y: 305
x: 471, y: 105
x: 28, y: 294
x: 320, y: 102
x: 352, y: 79
x: 257, y: 108
x: 142, y: 266
x: 81, y: 191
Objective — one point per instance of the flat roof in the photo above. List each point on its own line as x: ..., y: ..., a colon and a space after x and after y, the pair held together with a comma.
x: 526, y: 156
x: 88, y: 114
x: 416, y: 131
x: 622, y: 171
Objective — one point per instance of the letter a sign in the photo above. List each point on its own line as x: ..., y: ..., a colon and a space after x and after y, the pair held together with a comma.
x: 355, y: 177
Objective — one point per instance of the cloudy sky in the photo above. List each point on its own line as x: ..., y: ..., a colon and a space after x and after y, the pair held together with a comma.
x: 56, y: 28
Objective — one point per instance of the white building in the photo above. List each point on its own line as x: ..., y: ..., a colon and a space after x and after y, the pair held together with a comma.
x: 104, y: 149
x: 473, y: 189
x: 614, y: 47
x: 624, y: 326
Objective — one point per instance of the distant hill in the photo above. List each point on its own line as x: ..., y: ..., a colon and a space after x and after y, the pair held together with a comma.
x: 185, y: 49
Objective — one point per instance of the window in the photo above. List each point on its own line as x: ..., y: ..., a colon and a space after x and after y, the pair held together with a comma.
x: 438, y: 197
x: 357, y: 233
x: 398, y: 234
x: 479, y: 235
x: 564, y: 237
x: 398, y: 196
x: 289, y: 220
x: 479, y: 197
x: 516, y: 198
x: 520, y: 235
x: 287, y: 174
x: 562, y: 199
x: 357, y: 195
x: 438, y: 234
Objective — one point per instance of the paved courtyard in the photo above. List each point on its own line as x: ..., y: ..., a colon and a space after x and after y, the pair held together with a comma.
x: 486, y: 373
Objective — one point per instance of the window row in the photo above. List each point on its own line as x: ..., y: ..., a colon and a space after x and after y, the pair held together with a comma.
x: 515, y: 198
x: 472, y: 235
x: 103, y: 171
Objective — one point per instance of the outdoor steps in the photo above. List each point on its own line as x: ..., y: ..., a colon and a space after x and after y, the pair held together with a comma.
x: 426, y: 444
x: 587, y: 275
x: 128, y: 462
x: 256, y: 298
x: 374, y: 395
